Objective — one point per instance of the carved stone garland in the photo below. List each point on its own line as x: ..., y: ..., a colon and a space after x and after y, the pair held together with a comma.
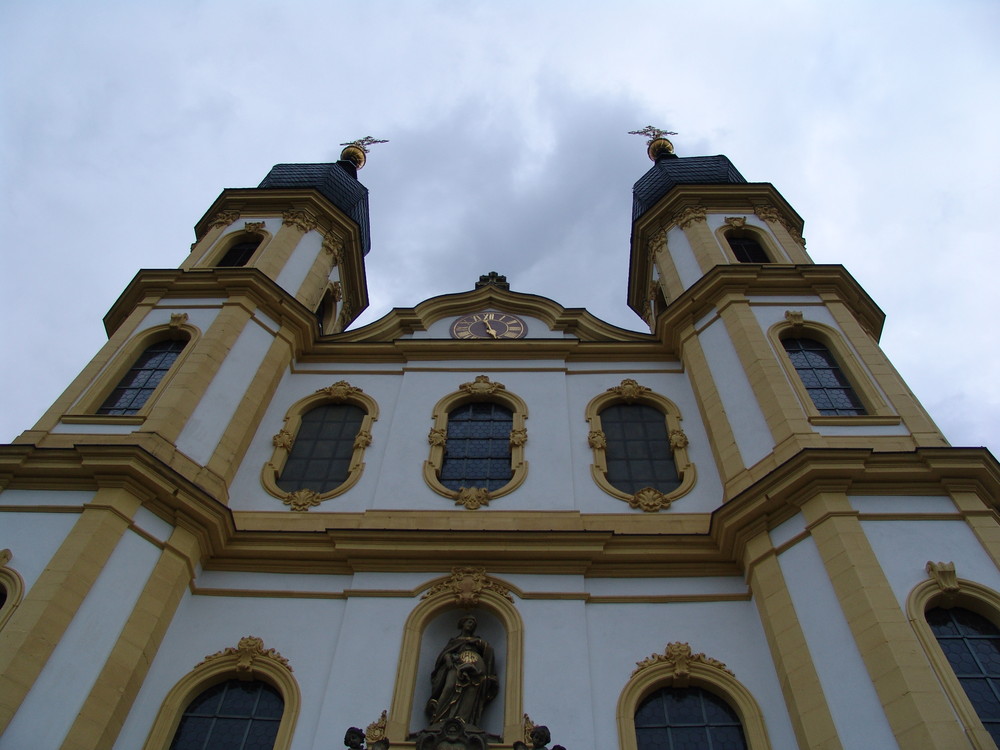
x: 466, y: 585
x: 679, y: 657
x: 248, y: 652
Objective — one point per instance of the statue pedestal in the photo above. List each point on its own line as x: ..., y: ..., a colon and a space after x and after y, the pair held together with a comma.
x: 451, y: 734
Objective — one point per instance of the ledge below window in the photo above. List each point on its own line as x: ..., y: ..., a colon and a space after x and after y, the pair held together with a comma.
x: 101, y: 419
x: 862, y: 420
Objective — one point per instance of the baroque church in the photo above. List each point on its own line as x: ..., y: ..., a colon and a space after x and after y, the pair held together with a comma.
x: 490, y: 521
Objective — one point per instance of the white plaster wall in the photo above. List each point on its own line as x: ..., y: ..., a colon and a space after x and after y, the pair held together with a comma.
x: 152, y: 524
x: 232, y: 580
x: 206, y: 425
x: 856, y: 712
x: 95, y: 429
x: 48, y: 711
x: 304, y: 631
x: 32, y: 539
x: 721, y: 585
x: 904, y: 548
x: 293, y: 273
x: 753, y: 437
x: 683, y: 256
x: 619, y: 635
x: 441, y: 329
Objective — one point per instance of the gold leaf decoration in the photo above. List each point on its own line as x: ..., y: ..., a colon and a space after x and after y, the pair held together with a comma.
x: 302, y: 500
x: 482, y: 386
x: 473, y: 497
x: 249, y: 649
x: 467, y: 585
x: 649, y: 500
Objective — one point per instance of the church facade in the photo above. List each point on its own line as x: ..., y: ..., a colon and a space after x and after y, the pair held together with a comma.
x: 246, y: 525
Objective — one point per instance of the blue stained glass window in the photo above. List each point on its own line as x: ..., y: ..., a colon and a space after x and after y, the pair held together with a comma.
x: 638, y: 453
x: 972, y: 645
x: 477, y: 452
x: 320, y: 458
x: 687, y: 719
x: 828, y: 387
x: 234, y: 715
x: 141, y: 380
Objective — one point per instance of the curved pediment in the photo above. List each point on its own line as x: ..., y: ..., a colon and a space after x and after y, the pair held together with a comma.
x: 427, y: 318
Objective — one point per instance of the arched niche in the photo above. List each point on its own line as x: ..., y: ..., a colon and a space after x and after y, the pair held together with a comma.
x: 429, y: 627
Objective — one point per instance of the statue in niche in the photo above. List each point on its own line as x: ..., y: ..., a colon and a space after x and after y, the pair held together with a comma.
x: 464, y: 679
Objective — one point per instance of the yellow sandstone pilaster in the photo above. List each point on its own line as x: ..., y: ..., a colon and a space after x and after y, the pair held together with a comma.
x: 39, y: 622
x: 912, y: 698
x: 104, y: 712
x: 814, y: 726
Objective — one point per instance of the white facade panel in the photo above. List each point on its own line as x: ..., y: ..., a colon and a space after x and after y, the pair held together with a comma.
x: 95, y: 428
x: 152, y: 524
x: 302, y: 631
x: 32, y: 539
x: 35, y: 498
x: 294, y: 272
x: 683, y: 256
x: 71, y: 670
x: 753, y: 437
x: 905, y: 547
x: 206, y: 425
x: 908, y: 504
x: 857, y: 712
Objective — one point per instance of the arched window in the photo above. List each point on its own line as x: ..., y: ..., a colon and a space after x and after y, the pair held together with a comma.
x: 236, y: 715
x: 687, y: 718
x: 640, y: 451
x: 320, y: 458
x: 477, y: 453
x: 138, y: 384
x: 682, y: 699
x: 827, y: 385
x: 971, y: 644
x: 240, y: 253
x: 11, y: 587
x: 319, y: 452
x: 240, y: 698
x: 746, y: 248
x: 477, y: 444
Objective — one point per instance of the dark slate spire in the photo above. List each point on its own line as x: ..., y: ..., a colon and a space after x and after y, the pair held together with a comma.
x: 669, y: 170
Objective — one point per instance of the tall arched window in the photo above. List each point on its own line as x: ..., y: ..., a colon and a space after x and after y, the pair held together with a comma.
x: 240, y: 698
x: 477, y: 453
x: 319, y: 452
x: 240, y: 253
x: 235, y: 715
x: 138, y: 384
x: 746, y: 248
x: 477, y: 443
x: 828, y: 387
x: 971, y: 644
x: 688, y: 717
x: 640, y: 450
x: 320, y: 458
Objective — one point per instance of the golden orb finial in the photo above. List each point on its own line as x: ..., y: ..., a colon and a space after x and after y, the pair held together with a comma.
x: 657, y: 145
x: 355, y: 151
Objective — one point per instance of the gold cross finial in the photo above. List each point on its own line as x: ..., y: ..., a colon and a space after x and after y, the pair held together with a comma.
x: 364, y: 143
x: 657, y: 145
x: 354, y: 151
x: 652, y: 133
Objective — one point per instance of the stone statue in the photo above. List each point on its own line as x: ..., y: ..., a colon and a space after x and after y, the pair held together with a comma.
x: 354, y: 738
x: 539, y: 737
x: 464, y: 679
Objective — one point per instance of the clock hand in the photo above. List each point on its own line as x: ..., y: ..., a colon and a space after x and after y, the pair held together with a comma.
x: 489, y: 329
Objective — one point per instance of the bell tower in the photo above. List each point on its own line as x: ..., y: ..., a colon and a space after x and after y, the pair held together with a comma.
x: 782, y: 352
x: 195, y: 354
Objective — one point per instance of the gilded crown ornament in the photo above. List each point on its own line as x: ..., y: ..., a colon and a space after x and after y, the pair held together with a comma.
x: 657, y: 144
x: 354, y: 151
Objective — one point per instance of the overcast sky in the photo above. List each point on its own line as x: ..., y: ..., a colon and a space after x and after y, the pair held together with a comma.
x: 122, y: 121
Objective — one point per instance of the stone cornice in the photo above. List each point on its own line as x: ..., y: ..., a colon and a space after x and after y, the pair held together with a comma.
x: 551, y: 542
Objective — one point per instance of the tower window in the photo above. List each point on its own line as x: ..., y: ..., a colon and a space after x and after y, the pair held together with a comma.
x: 972, y: 645
x: 747, y: 249
x: 320, y: 458
x: 141, y: 380
x: 236, y: 715
x: 687, y: 718
x: 477, y: 453
x: 638, y: 452
x: 239, y: 254
x: 830, y: 390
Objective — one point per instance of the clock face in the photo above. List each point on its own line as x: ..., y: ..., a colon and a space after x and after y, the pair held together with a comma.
x: 489, y: 325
